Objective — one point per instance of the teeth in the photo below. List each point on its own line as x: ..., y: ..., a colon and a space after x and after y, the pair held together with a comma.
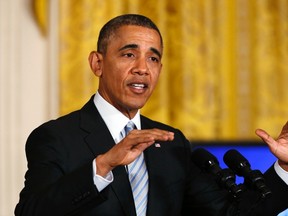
x: 138, y: 85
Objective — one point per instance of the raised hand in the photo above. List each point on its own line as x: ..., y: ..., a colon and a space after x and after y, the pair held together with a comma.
x: 278, y: 147
x: 130, y: 148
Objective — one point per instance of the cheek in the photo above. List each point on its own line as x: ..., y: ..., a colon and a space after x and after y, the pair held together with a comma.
x: 114, y: 74
x: 155, y: 78
x: 114, y: 82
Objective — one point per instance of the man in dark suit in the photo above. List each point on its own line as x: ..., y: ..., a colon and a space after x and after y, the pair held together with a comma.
x: 82, y: 163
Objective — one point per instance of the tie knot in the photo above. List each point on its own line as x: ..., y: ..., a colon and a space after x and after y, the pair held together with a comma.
x: 129, y: 126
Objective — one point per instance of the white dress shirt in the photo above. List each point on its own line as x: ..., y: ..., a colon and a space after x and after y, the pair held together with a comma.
x: 283, y: 174
x: 115, y: 121
x: 284, y: 213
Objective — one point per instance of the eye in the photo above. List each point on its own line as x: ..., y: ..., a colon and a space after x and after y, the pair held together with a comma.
x: 154, y: 59
x: 129, y: 55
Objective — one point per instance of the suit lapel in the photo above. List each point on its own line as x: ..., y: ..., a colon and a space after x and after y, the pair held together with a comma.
x: 99, y: 140
x: 122, y: 189
x: 157, y: 199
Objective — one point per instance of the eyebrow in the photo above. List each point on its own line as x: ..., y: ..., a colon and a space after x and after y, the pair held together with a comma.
x: 135, y: 46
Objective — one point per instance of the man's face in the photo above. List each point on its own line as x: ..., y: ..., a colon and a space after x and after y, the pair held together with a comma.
x: 130, y: 68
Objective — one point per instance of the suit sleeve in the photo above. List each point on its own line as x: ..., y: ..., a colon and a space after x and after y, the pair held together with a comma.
x: 278, y: 202
x: 51, y: 186
x: 271, y: 205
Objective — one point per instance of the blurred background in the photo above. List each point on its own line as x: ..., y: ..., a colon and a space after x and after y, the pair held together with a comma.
x: 225, y: 71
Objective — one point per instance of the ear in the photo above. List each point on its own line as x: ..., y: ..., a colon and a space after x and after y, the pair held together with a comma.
x: 95, y: 62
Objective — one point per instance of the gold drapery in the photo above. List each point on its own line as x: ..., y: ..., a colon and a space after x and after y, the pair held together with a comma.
x: 225, y: 62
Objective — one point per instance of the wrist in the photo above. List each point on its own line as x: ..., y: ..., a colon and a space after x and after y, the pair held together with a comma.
x: 102, y: 167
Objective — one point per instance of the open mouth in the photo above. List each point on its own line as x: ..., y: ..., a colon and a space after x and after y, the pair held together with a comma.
x: 138, y: 85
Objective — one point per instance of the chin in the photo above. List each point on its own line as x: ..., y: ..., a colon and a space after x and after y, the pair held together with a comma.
x: 137, y: 105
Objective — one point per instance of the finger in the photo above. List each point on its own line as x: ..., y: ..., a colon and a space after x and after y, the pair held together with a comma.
x: 136, y: 138
x: 142, y: 146
x: 157, y: 134
x: 272, y: 144
x: 163, y: 135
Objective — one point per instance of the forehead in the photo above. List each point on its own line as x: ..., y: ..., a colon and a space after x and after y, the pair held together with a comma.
x: 136, y: 34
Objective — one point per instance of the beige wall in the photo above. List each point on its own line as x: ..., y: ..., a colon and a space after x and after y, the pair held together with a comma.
x: 27, y: 93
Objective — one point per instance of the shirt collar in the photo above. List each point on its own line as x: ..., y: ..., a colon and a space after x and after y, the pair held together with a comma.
x: 113, y: 118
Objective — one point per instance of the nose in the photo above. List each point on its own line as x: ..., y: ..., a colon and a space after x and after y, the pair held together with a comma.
x: 140, y: 67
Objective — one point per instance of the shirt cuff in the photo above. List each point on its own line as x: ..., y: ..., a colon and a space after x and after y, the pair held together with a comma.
x: 283, y: 174
x: 284, y: 213
x: 99, y: 181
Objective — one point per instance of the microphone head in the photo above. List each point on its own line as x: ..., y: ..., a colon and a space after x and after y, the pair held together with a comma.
x: 240, y: 165
x: 236, y: 161
x: 205, y: 160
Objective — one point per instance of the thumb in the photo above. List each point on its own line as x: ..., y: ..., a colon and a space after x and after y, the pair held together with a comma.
x: 267, y: 139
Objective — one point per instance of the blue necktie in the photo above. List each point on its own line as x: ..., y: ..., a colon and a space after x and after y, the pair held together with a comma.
x: 138, y: 177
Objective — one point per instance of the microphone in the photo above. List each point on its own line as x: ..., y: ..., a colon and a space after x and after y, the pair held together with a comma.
x: 240, y: 165
x: 224, y: 177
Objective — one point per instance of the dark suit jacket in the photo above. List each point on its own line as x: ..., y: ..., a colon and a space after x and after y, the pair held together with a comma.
x: 59, y: 178
x: 278, y: 201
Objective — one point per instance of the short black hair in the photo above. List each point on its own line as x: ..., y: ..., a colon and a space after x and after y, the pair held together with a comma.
x: 114, y: 24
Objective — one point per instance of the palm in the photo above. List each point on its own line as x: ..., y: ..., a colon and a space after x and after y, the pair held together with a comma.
x: 278, y: 147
